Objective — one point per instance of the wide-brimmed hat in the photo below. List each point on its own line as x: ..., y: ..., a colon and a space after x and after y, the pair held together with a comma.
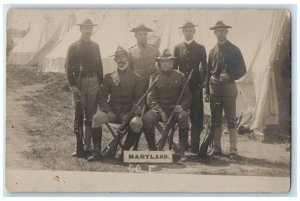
x: 188, y: 24
x: 119, y: 51
x: 136, y: 124
x: 86, y: 22
x: 166, y: 55
x: 99, y: 118
x: 220, y: 25
x: 141, y: 27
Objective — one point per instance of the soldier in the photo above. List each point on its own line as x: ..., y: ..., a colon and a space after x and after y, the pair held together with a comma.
x: 225, y: 65
x: 142, y: 57
x: 162, y: 99
x: 120, y: 91
x: 85, y: 74
x: 192, y: 55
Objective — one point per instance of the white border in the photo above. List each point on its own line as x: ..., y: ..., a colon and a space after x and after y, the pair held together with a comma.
x: 85, y: 2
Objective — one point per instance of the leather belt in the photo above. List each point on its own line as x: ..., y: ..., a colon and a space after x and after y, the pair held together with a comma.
x: 213, y: 79
x: 88, y: 74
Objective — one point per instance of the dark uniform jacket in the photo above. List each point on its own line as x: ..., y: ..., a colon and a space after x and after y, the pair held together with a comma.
x: 86, y: 53
x: 166, y: 91
x: 120, y: 90
x: 190, y: 56
x: 226, y: 57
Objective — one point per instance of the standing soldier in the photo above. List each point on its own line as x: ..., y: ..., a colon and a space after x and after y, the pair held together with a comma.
x: 192, y: 55
x: 225, y: 65
x: 120, y: 91
x: 142, y: 58
x: 162, y: 99
x: 85, y: 74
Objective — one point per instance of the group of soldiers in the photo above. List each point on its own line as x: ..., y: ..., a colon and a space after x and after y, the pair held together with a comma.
x: 112, y: 97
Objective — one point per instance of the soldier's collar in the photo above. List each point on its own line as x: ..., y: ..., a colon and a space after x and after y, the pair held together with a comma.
x: 142, y: 45
x: 188, y: 42
x: 84, y: 40
x: 223, y: 42
x: 123, y: 69
x: 167, y: 72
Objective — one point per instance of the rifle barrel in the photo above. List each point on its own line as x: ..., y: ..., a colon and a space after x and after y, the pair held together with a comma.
x: 167, y: 127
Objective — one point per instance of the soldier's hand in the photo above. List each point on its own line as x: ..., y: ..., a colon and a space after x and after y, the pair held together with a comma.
x: 76, y: 91
x: 224, y: 77
x: 164, y: 117
x: 178, y: 108
x: 138, y: 110
x: 110, y: 115
x: 207, y: 97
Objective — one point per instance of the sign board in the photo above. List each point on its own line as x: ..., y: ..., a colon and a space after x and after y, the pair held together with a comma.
x: 148, y: 156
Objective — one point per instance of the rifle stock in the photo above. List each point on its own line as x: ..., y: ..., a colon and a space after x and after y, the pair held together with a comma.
x: 208, y: 140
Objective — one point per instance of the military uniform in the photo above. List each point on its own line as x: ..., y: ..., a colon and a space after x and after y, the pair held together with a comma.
x: 162, y: 98
x: 224, y: 58
x: 142, y: 62
x: 119, y: 92
x: 86, y: 54
x: 193, y: 56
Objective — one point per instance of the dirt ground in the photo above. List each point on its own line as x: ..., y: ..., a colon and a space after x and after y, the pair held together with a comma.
x: 39, y: 135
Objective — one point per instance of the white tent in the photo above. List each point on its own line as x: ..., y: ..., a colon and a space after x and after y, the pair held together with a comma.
x: 32, y: 42
x: 57, y: 34
x: 266, y: 70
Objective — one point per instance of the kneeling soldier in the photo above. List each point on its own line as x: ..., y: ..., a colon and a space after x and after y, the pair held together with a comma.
x: 116, y: 97
x: 162, y: 99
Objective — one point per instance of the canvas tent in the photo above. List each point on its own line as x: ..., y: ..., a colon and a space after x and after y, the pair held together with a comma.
x: 30, y: 44
x: 57, y: 34
x: 271, y: 72
x: 43, y: 35
x: 256, y: 32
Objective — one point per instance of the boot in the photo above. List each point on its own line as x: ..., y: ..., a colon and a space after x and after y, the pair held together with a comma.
x: 183, y: 140
x: 87, y: 140
x: 217, y: 141
x: 195, y: 138
x: 233, y: 141
x: 79, y: 152
x: 130, y: 140
x: 97, y: 139
x: 137, y: 140
x: 150, y: 138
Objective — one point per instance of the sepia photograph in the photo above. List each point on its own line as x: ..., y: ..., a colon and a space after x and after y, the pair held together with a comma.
x: 148, y: 100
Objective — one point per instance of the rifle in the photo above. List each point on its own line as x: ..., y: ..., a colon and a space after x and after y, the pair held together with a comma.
x: 208, y: 140
x: 78, y: 124
x: 172, y: 145
x: 168, y: 125
x: 110, y: 149
x: 210, y: 134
